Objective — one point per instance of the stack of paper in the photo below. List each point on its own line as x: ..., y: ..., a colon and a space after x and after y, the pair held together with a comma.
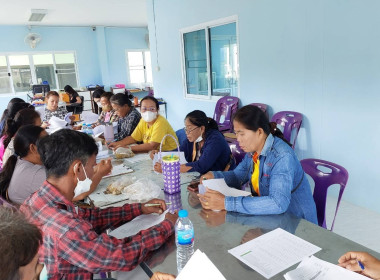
x: 315, y: 269
x: 221, y: 186
x: 200, y: 267
x: 118, y: 170
x: 273, y: 252
x: 137, y: 224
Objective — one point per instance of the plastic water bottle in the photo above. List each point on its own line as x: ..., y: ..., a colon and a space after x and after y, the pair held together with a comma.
x: 89, y: 130
x: 184, y: 236
x: 84, y: 128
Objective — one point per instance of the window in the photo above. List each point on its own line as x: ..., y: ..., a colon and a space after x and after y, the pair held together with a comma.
x: 19, y: 71
x: 210, y: 60
x: 139, y: 68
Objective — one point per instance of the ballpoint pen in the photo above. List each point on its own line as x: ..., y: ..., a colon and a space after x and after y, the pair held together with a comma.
x: 156, y: 204
x: 361, y: 265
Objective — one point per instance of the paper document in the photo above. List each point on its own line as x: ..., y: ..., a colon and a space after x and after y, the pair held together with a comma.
x: 316, y: 269
x: 221, y: 186
x: 273, y: 252
x: 137, y: 224
x: 56, y: 122
x: 138, y: 157
x: 98, y: 130
x: 200, y: 267
x: 89, y: 117
x: 100, y: 199
x: 119, y: 169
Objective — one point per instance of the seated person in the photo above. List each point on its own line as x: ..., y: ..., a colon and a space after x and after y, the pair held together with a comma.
x: 271, y: 167
x: 108, y: 114
x: 19, y: 244
x: 5, y: 115
x: 23, y: 117
x: 24, y: 174
x: 362, y: 263
x: 205, y: 148
x: 12, y: 111
x: 129, y: 117
x: 52, y: 109
x: 151, y: 130
x: 96, y: 97
x: 75, y: 244
x: 73, y: 95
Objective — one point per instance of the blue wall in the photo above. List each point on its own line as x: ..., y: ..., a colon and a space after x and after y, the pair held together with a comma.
x: 320, y: 58
x: 100, y: 54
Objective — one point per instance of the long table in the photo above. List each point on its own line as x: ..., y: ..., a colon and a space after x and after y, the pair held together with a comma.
x: 217, y: 232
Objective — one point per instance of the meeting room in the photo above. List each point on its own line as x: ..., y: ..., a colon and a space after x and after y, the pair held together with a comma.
x: 165, y: 139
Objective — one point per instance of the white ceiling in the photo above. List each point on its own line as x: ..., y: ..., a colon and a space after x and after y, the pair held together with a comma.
x: 129, y: 13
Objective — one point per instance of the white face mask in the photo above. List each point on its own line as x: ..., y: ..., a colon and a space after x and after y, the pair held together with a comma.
x: 199, y: 139
x: 149, y: 116
x: 82, y: 186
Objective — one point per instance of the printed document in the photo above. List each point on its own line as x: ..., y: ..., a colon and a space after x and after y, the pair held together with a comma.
x: 137, y: 224
x: 316, y: 269
x: 200, y: 267
x: 221, y: 186
x: 273, y: 252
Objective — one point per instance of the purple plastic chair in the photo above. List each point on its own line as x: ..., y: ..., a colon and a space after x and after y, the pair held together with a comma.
x: 236, y: 151
x: 289, y: 120
x: 224, y: 109
x: 323, y: 181
x: 262, y: 106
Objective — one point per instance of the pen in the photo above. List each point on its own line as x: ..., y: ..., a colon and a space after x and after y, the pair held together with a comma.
x: 361, y: 265
x: 156, y: 204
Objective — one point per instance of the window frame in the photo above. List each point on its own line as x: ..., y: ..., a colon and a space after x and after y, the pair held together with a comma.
x: 145, y: 83
x: 206, y: 26
x: 33, y: 69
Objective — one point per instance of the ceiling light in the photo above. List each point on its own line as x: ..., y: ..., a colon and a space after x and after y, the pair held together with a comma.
x: 37, y: 14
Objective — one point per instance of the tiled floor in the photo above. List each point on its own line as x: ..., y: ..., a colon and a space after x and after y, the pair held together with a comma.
x: 355, y: 223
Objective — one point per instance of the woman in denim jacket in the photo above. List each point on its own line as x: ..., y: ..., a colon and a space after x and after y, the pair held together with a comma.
x: 279, y: 183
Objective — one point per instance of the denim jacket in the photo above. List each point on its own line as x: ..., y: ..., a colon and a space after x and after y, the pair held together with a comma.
x: 280, y: 173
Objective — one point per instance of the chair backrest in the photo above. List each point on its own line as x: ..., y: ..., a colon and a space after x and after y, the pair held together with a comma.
x: 236, y: 151
x: 181, y: 135
x: 289, y: 120
x: 323, y: 180
x: 224, y: 110
x: 262, y: 106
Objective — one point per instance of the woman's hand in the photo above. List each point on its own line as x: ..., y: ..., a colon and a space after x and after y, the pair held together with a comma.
x: 152, y: 153
x: 157, y: 167
x: 371, y: 264
x: 158, y: 208
x: 162, y: 276
x: 113, y: 145
x: 207, y: 176
x: 212, y: 200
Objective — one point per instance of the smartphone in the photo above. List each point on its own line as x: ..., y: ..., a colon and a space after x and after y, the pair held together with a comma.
x: 193, y: 186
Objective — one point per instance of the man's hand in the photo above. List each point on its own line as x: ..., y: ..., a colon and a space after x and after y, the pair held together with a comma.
x: 162, y: 276
x: 104, y: 167
x: 172, y: 217
x: 159, y: 206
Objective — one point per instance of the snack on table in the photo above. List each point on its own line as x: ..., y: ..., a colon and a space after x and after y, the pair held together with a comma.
x: 117, y: 186
x: 123, y: 153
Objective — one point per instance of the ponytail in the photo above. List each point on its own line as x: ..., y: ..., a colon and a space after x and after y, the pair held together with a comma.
x: 211, y: 124
x: 277, y: 132
x: 6, y: 175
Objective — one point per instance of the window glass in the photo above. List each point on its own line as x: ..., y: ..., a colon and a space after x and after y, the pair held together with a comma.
x: 223, y: 53
x: 148, y: 68
x: 196, y: 62
x: 5, y: 82
x: 139, y: 68
x: 66, y: 71
x: 21, y: 73
x: 44, y: 65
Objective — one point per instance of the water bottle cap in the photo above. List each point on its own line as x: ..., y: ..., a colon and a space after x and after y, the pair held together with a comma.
x: 183, y: 213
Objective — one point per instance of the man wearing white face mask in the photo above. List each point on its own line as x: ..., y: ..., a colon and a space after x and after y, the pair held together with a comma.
x: 75, y: 245
x: 151, y: 130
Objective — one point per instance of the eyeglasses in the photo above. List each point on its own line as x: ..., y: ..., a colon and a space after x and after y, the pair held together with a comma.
x: 152, y: 109
x: 187, y: 131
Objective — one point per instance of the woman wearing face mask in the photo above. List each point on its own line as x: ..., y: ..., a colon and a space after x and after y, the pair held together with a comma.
x: 128, y: 116
x: 23, y: 174
x: 278, y: 183
x: 151, y: 130
x: 108, y: 114
x: 96, y: 97
x: 205, y: 147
